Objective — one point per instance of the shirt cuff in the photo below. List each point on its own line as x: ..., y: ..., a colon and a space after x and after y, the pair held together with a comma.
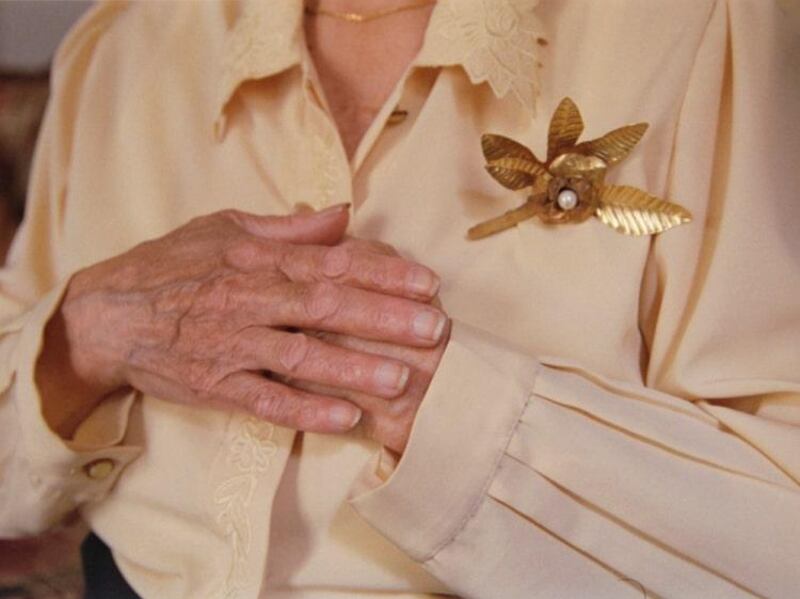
x: 459, y: 435
x: 85, y: 467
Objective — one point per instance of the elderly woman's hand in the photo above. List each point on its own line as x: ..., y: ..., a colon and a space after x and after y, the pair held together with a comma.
x: 199, y: 315
x: 388, y: 421
x: 385, y: 420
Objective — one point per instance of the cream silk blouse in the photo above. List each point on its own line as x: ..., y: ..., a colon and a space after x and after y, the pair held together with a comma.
x: 613, y: 417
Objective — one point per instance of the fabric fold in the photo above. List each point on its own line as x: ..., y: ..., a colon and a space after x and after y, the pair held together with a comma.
x: 443, y: 475
x: 73, y: 471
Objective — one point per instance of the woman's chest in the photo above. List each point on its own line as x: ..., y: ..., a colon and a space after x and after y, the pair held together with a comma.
x: 563, y: 290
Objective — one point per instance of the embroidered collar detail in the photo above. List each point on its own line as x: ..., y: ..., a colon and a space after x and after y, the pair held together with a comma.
x: 265, y: 40
x: 494, y: 41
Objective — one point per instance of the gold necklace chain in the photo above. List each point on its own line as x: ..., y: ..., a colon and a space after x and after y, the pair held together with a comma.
x: 355, y: 17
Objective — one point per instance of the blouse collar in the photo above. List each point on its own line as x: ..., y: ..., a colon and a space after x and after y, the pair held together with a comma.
x: 494, y: 41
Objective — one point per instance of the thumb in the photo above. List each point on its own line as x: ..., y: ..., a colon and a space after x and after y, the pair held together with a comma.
x: 325, y: 227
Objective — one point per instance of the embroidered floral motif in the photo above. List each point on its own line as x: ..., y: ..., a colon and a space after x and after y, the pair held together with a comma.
x: 324, y: 168
x: 494, y: 40
x: 253, y: 448
x: 249, y: 452
x: 234, y: 496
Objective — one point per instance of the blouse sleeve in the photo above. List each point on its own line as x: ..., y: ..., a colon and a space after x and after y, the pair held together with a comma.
x: 530, y: 477
x: 42, y: 476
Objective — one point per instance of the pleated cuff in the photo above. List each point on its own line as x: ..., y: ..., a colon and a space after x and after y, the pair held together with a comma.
x: 461, y: 430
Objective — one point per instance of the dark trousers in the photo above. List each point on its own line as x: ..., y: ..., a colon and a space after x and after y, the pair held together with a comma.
x: 101, y: 576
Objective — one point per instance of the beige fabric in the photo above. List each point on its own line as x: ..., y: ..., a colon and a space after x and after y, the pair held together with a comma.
x: 611, y: 414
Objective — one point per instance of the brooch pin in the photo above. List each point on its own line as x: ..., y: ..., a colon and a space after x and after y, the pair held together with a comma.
x: 570, y: 187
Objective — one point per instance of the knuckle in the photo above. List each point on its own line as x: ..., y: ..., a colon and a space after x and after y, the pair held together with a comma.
x: 253, y: 397
x: 322, y: 300
x: 384, y: 319
x: 379, y: 276
x: 307, y: 415
x: 341, y: 368
x: 336, y: 261
x: 284, y: 407
x: 292, y: 352
x: 284, y: 257
x: 228, y: 214
x: 352, y: 372
x: 242, y: 253
x: 274, y: 407
x: 263, y: 407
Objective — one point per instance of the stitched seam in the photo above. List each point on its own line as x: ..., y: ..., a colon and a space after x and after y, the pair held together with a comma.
x: 483, y: 495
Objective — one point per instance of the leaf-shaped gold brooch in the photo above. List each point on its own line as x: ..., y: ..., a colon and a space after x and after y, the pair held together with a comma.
x: 570, y: 187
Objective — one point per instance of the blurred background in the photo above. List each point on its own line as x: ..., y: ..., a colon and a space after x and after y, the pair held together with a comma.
x: 30, y: 30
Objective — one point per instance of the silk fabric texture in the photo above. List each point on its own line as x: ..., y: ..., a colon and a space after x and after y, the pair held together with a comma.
x: 612, y: 414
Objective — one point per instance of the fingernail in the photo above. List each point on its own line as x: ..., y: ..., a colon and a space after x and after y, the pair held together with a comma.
x: 344, y: 417
x: 422, y: 281
x: 391, y: 376
x: 429, y: 325
x: 333, y: 209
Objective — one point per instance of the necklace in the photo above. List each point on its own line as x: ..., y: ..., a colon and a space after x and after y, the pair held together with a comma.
x: 356, y: 17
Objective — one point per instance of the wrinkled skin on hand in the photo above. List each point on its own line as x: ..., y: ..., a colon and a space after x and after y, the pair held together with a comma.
x: 199, y: 315
x: 387, y: 421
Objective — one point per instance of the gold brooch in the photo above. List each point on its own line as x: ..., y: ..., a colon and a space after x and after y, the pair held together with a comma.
x: 569, y: 187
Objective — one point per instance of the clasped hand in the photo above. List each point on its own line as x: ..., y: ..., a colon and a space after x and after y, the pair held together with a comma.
x: 282, y: 317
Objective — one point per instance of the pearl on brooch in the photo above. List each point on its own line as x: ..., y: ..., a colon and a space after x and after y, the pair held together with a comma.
x: 567, y: 199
